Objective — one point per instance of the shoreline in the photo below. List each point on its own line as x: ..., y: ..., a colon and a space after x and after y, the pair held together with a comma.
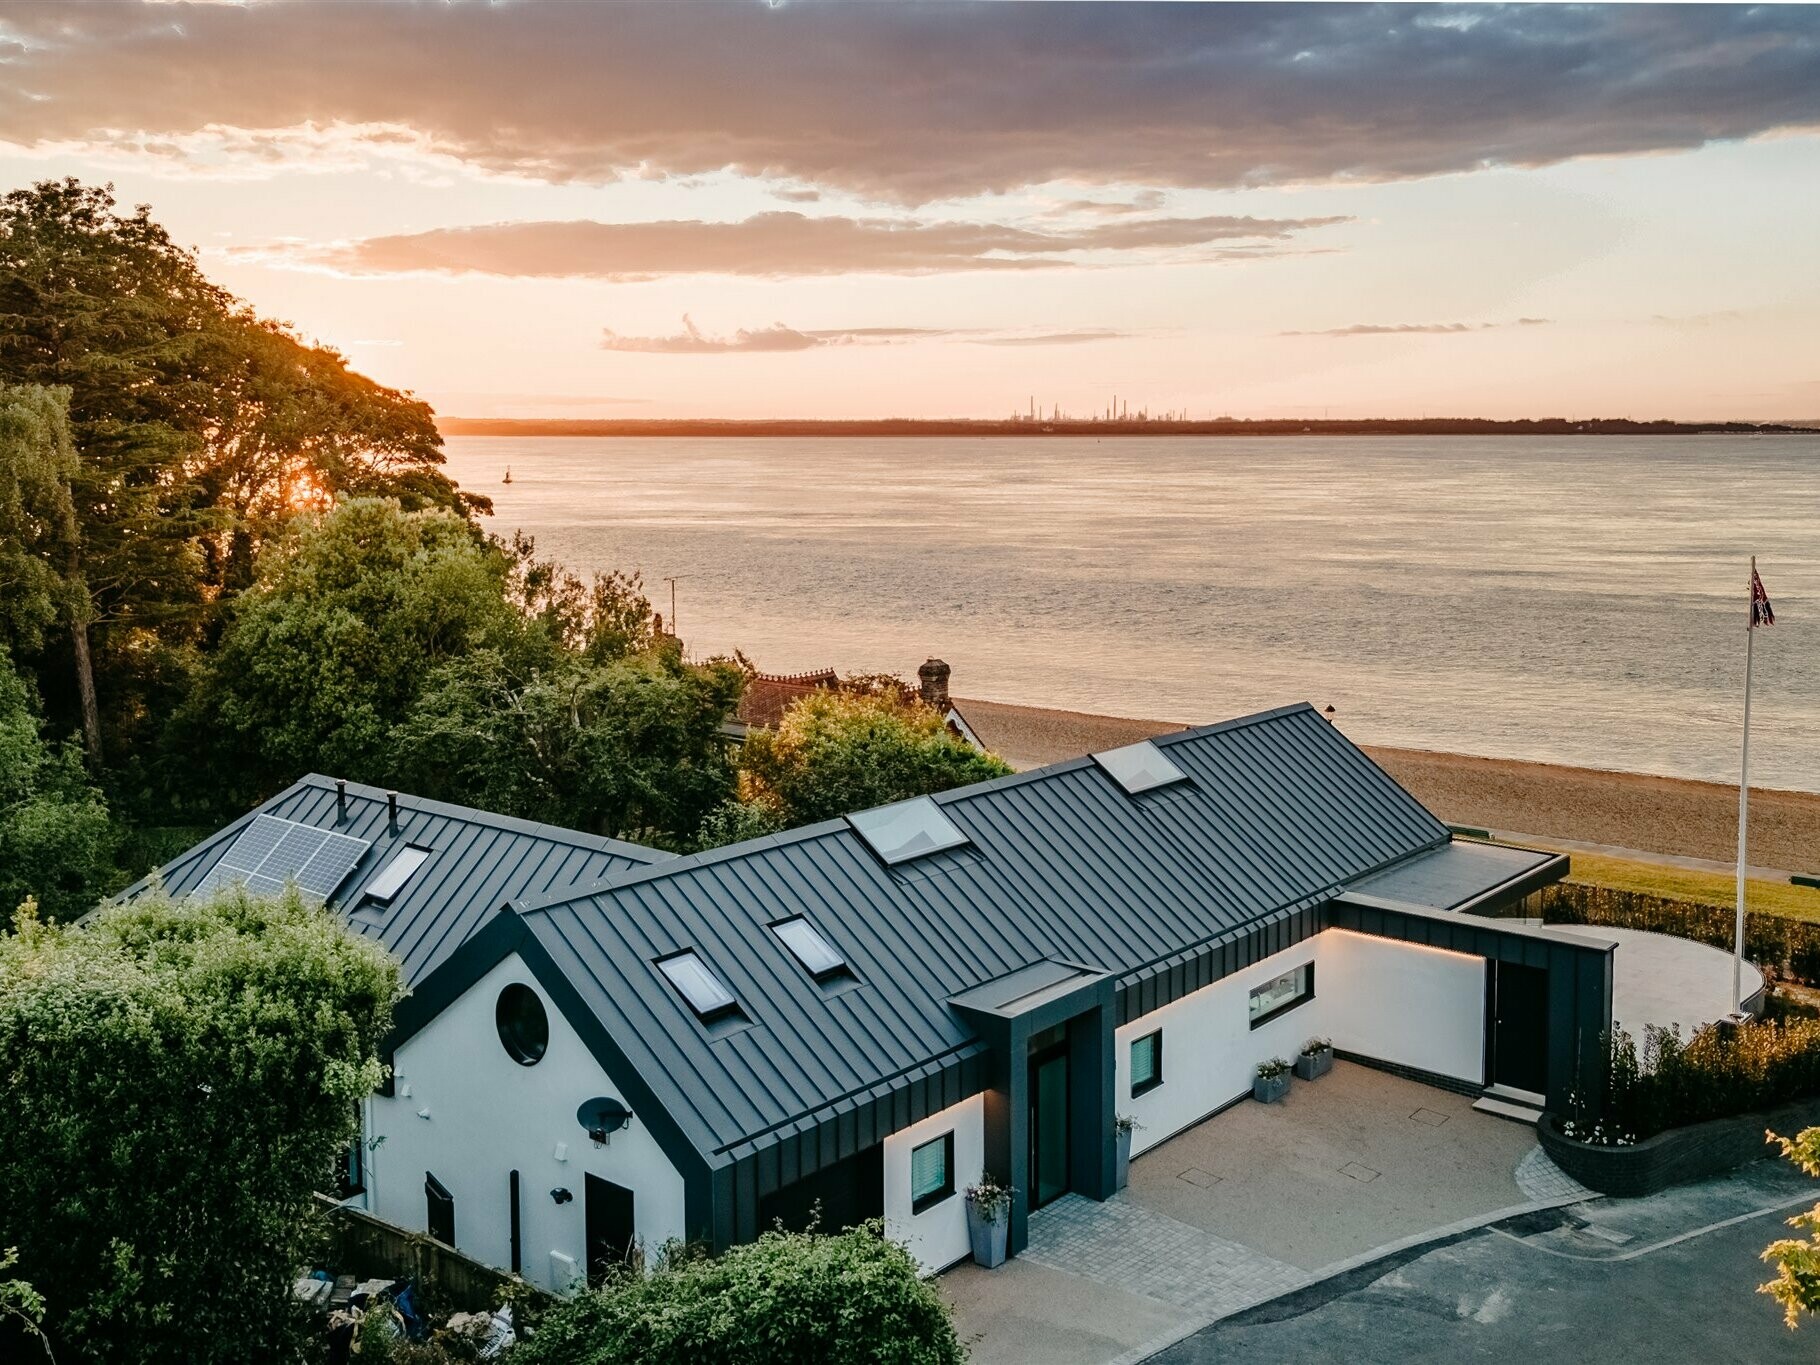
x: 1643, y: 811
x: 1034, y: 428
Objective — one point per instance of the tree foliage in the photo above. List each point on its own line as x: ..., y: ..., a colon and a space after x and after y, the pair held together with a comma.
x: 847, y: 1299
x: 56, y: 842
x: 199, y: 430
x: 38, y: 535
x: 1797, y: 1259
x: 837, y: 751
x: 178, y: 1077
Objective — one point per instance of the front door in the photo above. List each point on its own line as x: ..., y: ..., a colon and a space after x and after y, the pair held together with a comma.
x: 610, y: 1227
x: 1519, y: 1027
x: 1048, y: 1116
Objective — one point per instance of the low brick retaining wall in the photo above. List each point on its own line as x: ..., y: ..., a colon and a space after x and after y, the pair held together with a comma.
x: 1678, y: 1155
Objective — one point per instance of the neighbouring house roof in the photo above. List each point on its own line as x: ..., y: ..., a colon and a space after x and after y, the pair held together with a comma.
x: 1278, y: 813
x: 769, y: 695
x: 476, y: 863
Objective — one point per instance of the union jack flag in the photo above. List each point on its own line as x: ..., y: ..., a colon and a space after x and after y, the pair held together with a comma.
x: 1761, y: 613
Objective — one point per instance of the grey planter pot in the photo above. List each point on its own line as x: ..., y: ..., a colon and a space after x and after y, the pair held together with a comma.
x: 1122, y: 1171
x: 1311, y: 1068
x: 988, y: 1238
x: 1271, y: 1090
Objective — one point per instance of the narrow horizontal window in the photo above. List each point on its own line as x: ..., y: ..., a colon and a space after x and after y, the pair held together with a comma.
x: 931, y: 1172
x: 697, y: 985
x: 1282, y: 993
x: 1146, y: 1063
x: 808, y: 947
x: 395, y: 874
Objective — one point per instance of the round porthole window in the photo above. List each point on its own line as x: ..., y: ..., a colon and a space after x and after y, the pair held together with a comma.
x: 524, y: 1028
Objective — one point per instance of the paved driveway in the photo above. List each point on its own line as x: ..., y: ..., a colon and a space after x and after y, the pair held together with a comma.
x: 1245, y: 1207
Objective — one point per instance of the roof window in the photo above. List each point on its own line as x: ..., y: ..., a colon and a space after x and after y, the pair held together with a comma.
x: 697, y: 985
x: 395, y: 874
x: 808, y: 947
x: 906, y: 830
x: 1139, y: 767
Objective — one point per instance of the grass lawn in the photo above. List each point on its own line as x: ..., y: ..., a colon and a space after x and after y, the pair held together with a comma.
x: 1710, y: 888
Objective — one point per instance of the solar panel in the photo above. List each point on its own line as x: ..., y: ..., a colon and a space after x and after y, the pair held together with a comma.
x: 1139, y: 767
x: 907, y: 830
x: 270, y: 852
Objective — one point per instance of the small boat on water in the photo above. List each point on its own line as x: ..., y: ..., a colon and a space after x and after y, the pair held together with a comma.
x: 508, y: 477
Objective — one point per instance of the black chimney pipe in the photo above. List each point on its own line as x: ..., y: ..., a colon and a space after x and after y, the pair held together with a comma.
x: 341, y: 802
x: 391, y: 811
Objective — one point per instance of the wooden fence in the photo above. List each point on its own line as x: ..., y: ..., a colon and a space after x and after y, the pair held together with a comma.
x: 363, y: 1245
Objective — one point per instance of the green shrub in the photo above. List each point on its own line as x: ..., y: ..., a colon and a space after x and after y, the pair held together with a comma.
x: 1720, y: 1071
x: 834, y: 1300
x: 177, y: 1075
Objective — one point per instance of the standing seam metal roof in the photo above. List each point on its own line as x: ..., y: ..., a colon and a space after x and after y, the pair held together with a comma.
x: 1280, y: 811
x: 478, y: 862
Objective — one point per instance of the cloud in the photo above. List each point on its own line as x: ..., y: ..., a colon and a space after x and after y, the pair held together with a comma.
x: 775, y: 244
x: 779, y: 338
x: 797, y: 196
x: 1374, y: 329
x: 907, y: 103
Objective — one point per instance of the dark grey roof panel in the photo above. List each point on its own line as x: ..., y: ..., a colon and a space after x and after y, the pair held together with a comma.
x: 478, y: 862
x: 1279, y: 811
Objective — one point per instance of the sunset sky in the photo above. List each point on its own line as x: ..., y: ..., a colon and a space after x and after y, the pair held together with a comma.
x: 824, y: 209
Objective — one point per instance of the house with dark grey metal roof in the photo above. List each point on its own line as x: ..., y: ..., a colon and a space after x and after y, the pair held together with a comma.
x: 867, y: 1015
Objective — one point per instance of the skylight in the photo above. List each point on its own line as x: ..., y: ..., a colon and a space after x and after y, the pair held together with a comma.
x: 907, y: 830
x: 395, y: 874
x: 1139, y: 767
x: 805, y: 942
x: 697, y: 985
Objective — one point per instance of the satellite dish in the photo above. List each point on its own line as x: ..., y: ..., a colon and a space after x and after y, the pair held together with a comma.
x: 603, y: 1117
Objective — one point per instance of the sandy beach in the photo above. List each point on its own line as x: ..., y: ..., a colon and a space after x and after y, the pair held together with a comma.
x: 1630, y: 810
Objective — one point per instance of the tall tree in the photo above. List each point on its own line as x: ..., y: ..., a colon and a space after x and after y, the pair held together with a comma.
x: 198, y: 427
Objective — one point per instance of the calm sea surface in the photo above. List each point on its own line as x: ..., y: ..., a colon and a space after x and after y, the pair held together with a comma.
x: 1575, y: 600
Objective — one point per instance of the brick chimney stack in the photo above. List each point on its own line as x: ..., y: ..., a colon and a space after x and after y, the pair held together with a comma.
x: 934, y: 676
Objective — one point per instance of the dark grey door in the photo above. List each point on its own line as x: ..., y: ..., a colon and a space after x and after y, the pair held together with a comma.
x: 610, y: 1226
x: 1519, y: 1027
x: 440, y: 1207
x: 1048, y: 1124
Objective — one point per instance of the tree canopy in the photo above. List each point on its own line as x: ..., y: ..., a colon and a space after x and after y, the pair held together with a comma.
x: 179, y: 1077
x: 56, y: 841
x: 840, y: 750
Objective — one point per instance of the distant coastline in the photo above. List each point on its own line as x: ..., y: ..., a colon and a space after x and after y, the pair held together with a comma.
x: 919, y: 426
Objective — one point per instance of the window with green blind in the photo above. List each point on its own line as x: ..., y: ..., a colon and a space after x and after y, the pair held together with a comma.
x: 1146, y: 1063
x: 931, y: 1172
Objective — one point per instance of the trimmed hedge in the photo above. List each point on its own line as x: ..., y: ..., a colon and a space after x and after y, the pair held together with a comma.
x: 1785, y: 948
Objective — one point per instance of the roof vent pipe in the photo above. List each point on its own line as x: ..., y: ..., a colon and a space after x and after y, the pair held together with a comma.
x: 391, y: 812
x: 341, y: 802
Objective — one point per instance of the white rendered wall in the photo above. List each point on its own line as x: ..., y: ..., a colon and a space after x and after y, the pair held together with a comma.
x: 1395, y: 1002
x: 488, y: 1116
x: 1403, y: 1002
x: 937, y: 1236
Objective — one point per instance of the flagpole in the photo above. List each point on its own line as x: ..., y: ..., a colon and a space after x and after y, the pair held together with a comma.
x: 1750, y: 636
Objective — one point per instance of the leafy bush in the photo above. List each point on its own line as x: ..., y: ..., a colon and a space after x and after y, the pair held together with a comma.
x: 834, y: 1300
x: 1718, y: 1072
x: 177, y: 1077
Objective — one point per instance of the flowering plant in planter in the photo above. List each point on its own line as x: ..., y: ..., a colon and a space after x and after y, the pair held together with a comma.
x: 1125, y: 1125
x: 1315, y: 1059
x: 1315, y: 1046
x: 1271, y: 1068
x: 989, y: 1199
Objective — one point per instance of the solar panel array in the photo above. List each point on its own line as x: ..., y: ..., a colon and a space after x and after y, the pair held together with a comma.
x: 269, y: 853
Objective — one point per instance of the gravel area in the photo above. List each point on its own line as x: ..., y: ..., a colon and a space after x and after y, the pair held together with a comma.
x: 1628, y: 810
